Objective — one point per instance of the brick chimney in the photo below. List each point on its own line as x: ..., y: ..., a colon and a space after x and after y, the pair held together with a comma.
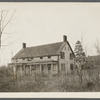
x: 64, y: 38
x: 24, y: 45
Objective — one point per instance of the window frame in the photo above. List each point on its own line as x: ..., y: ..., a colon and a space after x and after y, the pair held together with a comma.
x: 49, y: 57
x: 49, y: 66
x: 62, y: 55
x: 71, y: 56
x: 41, y: 57
x: 62, y: 67
x: 71, y: 66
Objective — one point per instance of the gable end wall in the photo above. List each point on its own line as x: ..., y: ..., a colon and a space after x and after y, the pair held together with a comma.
x: 66, y: 49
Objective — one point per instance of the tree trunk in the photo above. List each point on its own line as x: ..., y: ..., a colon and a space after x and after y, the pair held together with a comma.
x: 0, y: 37
x: 81, y: 79
x: 0, y: 42
x: 98, y: 78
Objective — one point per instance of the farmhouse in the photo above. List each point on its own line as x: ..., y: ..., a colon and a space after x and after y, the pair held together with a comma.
x: 44, y: 59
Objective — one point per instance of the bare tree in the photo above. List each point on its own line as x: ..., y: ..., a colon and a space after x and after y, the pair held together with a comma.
x: 97, y: 47
x: 4, y: 21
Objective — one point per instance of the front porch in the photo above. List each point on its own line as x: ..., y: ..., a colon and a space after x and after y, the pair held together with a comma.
x: 31, y: 68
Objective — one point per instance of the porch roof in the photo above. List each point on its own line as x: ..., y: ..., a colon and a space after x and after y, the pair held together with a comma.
x: 36, y: 62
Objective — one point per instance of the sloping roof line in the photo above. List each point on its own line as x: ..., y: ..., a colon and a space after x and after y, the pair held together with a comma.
x: 70, y: 48
x: 42, y: 50
x: 37, y: 51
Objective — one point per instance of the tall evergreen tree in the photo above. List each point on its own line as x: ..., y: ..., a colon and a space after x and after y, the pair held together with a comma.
x: 80, y: 60
x: 79, y: 53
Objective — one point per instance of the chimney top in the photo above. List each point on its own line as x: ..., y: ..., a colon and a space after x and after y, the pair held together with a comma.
x: 24, y: 45
x: 64, y: 38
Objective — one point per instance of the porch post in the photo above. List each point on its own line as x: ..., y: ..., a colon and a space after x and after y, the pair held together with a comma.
x: 30, y: 69
x: 15, y: 72
x: 21, y: 69
x: 52, y: 69
x: 14, y: 69
x: 46, y: 69
x: 40, y: 68
x: 25, y: 69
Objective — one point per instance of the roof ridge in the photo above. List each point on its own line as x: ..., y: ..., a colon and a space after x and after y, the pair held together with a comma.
x: 45, y: 44
x: 40, y: 50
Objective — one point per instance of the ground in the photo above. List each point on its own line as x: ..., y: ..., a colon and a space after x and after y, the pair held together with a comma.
x: 48, y: 83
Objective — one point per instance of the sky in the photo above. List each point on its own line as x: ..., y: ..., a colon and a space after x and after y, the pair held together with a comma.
x: 43, y: 23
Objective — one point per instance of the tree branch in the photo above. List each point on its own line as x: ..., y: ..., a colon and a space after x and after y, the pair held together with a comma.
x: 97, y: 47
x: 8, y: 21
x: 4, y: 17
x: 10, y: 43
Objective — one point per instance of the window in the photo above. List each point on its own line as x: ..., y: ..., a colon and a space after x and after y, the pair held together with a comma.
x: 63, y: 67
x: 41, y: 57
x: 22, y: 67
x: 42, y: 67
x: 49, y: 56
x: 71, y: 56
x: 54, y: 67
x: 49, y: 67
x: 71, y: 67
x: 62, y: 55
x: 28, y: 59
x: 23, y: 58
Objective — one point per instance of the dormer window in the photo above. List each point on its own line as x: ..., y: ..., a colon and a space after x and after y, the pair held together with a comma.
x: 62, y: 54
x: 23, y: 58
x: 29, y: 59
x: 41, y: 57
x: 49, y: 56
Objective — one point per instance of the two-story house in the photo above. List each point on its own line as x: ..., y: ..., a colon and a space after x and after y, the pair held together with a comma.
x: 47, y: 59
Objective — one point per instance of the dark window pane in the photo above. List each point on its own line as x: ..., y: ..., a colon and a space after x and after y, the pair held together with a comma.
x: 71, y: 56
x: 62, y: 54
x: 63, y: 67
x: 42, y: 67
x: 71, y: 67
x: 49, y: 56
x: 41, y: 57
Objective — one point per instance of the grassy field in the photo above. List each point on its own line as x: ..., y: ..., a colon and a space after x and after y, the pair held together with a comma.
x: 58, y: 83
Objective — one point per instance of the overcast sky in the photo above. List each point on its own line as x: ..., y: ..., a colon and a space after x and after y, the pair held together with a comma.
x: 43, y: 23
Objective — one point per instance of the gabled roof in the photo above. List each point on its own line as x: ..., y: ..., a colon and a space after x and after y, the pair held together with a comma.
x: 42, y: 50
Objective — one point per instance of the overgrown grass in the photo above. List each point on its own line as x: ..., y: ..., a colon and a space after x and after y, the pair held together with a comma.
x: 39, y: 83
